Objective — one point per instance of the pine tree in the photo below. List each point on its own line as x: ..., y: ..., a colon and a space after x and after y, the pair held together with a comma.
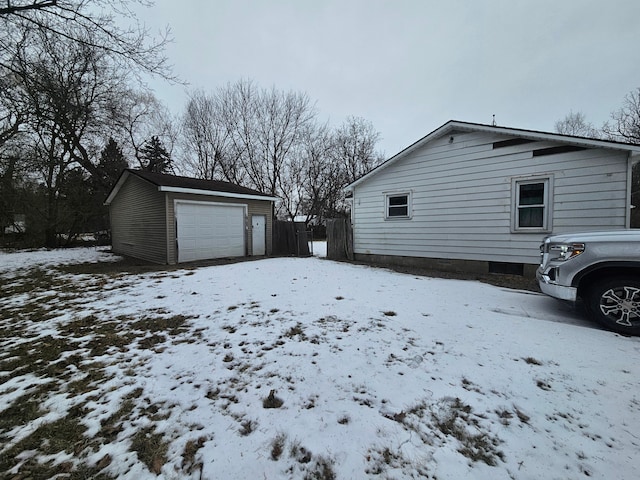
x: 112, y: 163
x: 154, y: 157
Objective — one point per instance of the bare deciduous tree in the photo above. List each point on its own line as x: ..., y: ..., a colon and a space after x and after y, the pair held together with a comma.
x: 139, y: 116
x: 625, y: 122
x: 270, y: 140
x: 206, y: 137
x: 355, y: 142
x: 69, y: 88
x: 323, y: 180
x: 95, y: 23
x: 576, y: 124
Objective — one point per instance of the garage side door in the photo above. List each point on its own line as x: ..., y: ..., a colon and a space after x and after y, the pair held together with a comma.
x: 205, y: 231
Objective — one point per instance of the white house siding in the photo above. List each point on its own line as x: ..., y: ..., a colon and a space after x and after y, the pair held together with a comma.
x: 138, y: 222
x: 462, y: 200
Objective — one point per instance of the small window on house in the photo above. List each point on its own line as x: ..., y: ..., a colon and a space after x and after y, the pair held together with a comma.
x: 398, y: 205
x: 531, y: 205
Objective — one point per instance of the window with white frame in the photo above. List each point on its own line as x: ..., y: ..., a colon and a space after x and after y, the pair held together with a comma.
x: 398, y: 205
x: 531, y: 204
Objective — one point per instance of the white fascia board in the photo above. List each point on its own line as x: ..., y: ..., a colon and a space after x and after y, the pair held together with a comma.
x: 116, y: 188
x: 216, y: 194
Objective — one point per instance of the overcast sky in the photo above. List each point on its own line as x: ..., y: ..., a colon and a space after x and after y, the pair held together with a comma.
x: 409, y: 66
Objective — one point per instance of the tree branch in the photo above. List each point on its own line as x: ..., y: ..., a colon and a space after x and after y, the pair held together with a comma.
x: 11, y: 9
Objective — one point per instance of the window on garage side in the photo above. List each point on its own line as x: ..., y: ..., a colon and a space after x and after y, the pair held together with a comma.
x: 531, y: 201
x: 398, y: 205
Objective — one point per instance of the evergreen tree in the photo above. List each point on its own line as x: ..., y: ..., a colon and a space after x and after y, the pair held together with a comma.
x: 111, y: 163
x: 154, y: 157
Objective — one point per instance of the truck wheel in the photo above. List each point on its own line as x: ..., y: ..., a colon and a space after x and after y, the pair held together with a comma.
x: 615, y: 304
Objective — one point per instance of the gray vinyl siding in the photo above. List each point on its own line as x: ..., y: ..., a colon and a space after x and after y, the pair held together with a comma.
x: 254, y: 207
x: 462, y: 199
x: 138, y: 221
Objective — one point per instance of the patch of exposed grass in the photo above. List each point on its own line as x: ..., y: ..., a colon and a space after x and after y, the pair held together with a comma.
x: 344, y: 420
x: 277, y: 446
x: 40, y: 356
x: 453, y: 418
x: 532, y: 361
x: 383, y: 459
x: 32, y: 469
x: 296, y: 331
x: 322, y: 470
x: 108, y: 337
x: 64, y: 435
x: 524, y: 418
x: 470, y: 386
x: 247, y: 427
x: 35, y: 279
x: 112, y: 426
x: 94, y: 373
x: 543, y: 385
x: 156, y: 411
x: 299, y: 453
x: 151, y: 449
x: 23, y: 410
x: 272, y: 401
x: 229, y: 328
x: 151, y: 341
x: 173, y: 325
x: 189, y: 463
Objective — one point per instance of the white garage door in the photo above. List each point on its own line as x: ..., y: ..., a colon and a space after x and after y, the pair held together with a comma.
x: 209, y: 231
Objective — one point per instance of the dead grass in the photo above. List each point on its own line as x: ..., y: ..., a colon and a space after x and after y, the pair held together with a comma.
x: 190, y: 461
x: 151, y: 449
x: 454, y: 419
x: 57, y: 357
x: 296, y: 331
x: 64, y: 435
x: 277, y: 446
x: 70, y: 359
x: 272, y: 401
x: 532, y: 361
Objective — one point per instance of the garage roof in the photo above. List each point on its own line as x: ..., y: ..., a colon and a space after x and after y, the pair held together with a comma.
x: 175, y: 183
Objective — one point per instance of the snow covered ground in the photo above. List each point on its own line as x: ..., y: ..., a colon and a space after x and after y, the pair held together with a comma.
x: 305, y: 368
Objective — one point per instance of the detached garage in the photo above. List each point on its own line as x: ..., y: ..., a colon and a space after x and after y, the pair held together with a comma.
x: 169, y: 219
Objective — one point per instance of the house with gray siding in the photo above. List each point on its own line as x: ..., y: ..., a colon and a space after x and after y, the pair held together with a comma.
x: 481, y: 198
x: 169, y: 219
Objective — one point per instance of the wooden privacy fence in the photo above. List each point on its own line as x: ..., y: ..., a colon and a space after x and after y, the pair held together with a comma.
x: 290, y: 238
x: 339, y: 239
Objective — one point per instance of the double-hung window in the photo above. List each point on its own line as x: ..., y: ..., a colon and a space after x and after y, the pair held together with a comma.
x: 398, y: 205
x: 531, y: 200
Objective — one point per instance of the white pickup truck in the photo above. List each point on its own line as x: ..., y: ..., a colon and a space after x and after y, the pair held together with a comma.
x: 601, y: 268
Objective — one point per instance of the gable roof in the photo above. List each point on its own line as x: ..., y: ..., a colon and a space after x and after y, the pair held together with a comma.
x: 454, y: 126
x: 178, y: 184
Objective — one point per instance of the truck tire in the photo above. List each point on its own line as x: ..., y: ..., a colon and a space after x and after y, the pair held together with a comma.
x: 614, y: 303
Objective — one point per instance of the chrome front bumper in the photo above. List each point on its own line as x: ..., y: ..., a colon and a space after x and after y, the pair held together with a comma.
x: 552, y: 289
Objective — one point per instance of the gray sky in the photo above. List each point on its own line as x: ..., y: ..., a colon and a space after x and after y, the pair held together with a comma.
x: 409, y: 66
